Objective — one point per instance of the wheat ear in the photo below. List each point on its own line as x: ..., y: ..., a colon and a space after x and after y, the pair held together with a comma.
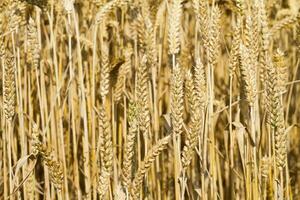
x: 281, y: 70
x: 55, y: 167
x: 143, y: 94
x: 276, y: 115
x: 195, y: 125
x: 177, y: 105
x: 213, y: 36
x: 248, y: 73
x: 9, y: 87
x: 104, y: 74
x: 235, y: 50
x: 123, y: 74
x: 200, y: 84
x: 33, y: 43
x: 284, y: 23
x: 175, y: 12
x: 129, y: 145
x: 147, y: 33
x: 106, y: 152
x: 107, y: 8
x: 146, y: 164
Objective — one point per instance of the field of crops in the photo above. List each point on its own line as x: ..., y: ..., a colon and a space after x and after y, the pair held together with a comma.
x: 149, y: 99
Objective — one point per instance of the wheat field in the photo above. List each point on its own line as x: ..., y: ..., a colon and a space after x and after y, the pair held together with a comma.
x: 149, y: 99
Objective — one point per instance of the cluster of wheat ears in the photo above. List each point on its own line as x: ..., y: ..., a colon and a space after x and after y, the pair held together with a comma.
x: 149, y: 99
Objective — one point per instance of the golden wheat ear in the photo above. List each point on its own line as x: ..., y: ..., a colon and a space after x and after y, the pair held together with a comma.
x: 33, y: 44
x: 175, y: 12
x: 130, y: 144
x: 54, y: 166
x: 248, y: 73
x: 55, y: 170
x: 146, y: 164
x: 106, y: 152
x: 104, y: 74
x: 195, y: 125
x: 143, y: 94
x: 276, y: 115
x: 213, y: 36
x: 177, y: 105
x: 9, y: 86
